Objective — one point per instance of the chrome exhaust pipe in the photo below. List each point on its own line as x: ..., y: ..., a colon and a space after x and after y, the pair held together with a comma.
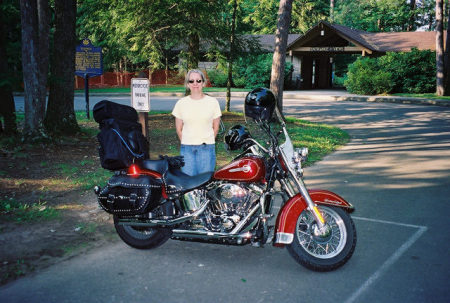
x: 159, y: 222
x: 208, y: 235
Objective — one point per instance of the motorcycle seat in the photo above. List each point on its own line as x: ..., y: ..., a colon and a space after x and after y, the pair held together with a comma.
x: 179, y: 182
x: 160, y: 166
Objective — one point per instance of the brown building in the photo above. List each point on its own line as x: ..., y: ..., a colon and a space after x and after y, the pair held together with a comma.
x: 313, y: 54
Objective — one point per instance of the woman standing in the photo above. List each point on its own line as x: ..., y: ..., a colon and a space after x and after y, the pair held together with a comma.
x: 197, y: 119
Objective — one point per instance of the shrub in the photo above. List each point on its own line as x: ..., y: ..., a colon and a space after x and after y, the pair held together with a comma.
x: 218, y: 78
x: 255, y: 69
x: 407, y: 72
x: 412, y: 72
x: 249, y: 71
x: 365, y: 77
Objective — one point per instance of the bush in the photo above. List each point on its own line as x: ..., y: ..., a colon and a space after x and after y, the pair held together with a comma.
x: 339, y: 81
x: 255, y: 70
x: 412, y: 72
x: 249, y: 71
x: 218, y: 78
x: 365, y: 77
x: 408, y: 72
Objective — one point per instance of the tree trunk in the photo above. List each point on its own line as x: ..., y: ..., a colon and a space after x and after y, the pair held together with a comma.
x: 412, y: 18
x: 32, y: 55
x: 332, y: 11
x: 7, y: 107
x: 231, y: 56
x: 44, y: 30
x: 60, y: 116
x: 447, y: 56
x: 439, y: 49
x: 279, y: 55
x: 193, y: 51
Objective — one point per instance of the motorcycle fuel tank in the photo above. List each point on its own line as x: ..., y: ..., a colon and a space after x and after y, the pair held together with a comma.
x: 245, y: 169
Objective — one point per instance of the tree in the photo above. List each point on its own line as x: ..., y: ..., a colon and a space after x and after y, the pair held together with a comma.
x: 35, y: 30
x: 308, y: 13
x: 412, y: 16
x: 260, y: 16
x: 279, y: 55
x: 230, y: 55
x: 447, y: 56
x: 439, y: 49
x: 9, y: 42
x: 60, y: 117
x: 331, y: 11
x: 382, y: 15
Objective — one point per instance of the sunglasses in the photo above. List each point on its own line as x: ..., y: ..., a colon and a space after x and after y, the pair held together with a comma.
x: 198, y: 81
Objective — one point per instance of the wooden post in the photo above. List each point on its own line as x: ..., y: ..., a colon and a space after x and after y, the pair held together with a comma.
x: 143, y: 119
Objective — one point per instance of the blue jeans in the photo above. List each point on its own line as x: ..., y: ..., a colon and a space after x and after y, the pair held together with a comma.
x: 198, y: 158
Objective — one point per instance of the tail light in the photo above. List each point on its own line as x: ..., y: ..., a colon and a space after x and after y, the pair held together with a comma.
x: 134, y: 170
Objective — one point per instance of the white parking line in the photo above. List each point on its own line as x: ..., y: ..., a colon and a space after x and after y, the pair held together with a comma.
x: 392, y: 259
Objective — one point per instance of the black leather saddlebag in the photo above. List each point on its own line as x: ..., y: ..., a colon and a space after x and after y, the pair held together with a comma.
x: 129, y: 195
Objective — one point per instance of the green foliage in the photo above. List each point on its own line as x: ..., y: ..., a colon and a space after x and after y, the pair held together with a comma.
x: 249, y: 71
x: 365, y: 77
x: 380, y: 15
x: 218, y: 78
x: 255, y: 69
x: 16, y: 211
x: 411, y: 72
x: 308, y: 13
x: 408, y: 72
x: 260, y: 15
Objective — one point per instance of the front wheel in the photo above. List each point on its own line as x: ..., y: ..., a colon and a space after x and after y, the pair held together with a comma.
x: 323, y: 251
x: 142, y: 237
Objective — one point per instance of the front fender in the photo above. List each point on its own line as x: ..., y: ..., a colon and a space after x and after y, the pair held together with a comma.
x: 289, y: 212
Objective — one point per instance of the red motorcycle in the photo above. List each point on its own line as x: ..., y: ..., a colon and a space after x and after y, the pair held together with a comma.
x: 153, y: 201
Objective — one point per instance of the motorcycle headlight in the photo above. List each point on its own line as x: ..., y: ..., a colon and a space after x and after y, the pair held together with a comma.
x: 300, y: 155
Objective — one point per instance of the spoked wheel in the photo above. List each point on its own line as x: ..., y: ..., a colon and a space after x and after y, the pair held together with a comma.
x: 324, y: 251
x: 142, y: 237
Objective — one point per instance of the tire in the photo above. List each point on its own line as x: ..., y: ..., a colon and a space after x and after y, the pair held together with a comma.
x: 328, y: 252
x: 142, y: 237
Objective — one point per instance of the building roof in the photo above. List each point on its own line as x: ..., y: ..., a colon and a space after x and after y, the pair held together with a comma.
x: 267, y: 42
x: 347, y: 39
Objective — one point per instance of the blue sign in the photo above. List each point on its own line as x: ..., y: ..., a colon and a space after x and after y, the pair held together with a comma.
x: 88, y: 60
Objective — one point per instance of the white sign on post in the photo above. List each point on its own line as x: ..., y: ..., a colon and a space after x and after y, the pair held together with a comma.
x: 140, y: 95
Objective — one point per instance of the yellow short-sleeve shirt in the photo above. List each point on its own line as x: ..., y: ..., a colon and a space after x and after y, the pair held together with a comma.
x: 197, y: 117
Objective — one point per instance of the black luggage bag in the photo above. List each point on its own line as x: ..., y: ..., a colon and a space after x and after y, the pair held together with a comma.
x: 129, y: 195
x: 121, y: 143
x: 110, y: 110
x: 121, y: 139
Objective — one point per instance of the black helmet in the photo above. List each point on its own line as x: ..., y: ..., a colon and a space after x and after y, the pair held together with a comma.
x: 236, y: 136
x: 260, y: 104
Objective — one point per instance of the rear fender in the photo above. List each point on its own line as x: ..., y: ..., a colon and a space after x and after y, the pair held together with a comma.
x: 289, y: 212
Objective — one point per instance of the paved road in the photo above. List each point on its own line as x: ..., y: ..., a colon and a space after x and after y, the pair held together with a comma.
x: 395, y: 170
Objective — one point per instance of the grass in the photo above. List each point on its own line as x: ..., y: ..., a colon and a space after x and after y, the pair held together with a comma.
x: 320, y: 139
x: 19, y: 212
x: 426, y: 96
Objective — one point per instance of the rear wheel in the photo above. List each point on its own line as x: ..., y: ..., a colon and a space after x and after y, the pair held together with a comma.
x: 323, y: 251
x: 142, y: 237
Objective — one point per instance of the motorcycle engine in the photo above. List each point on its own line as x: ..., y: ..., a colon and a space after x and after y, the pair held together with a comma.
x: 231, y: 203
